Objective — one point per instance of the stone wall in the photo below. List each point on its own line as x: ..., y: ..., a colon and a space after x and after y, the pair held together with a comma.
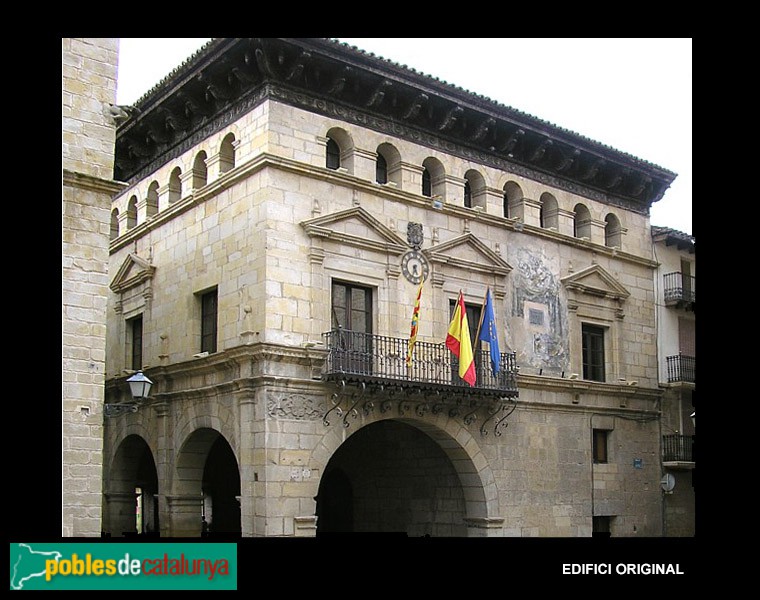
x: 88, y: 133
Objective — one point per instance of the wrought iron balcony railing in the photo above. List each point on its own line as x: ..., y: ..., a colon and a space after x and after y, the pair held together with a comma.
x: 677, y: 448
x: 680, y: 288
x: 682, y: 369
x: 374, y: 358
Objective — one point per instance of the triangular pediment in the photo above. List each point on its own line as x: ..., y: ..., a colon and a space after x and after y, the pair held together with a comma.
x: 356, y: 227
x: 595, y: 281
x: 133, y: 271
x: 468, y: 252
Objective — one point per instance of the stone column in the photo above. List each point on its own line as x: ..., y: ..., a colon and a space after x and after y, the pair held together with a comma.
x: 184, y: 515
x: 121, y: 507
x: 365, y: 164
x: 453, y: 190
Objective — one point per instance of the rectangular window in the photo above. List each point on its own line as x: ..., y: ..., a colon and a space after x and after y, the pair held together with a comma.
x: 135, y: 327
x: 352, y: 314
x: 601, y: 526
x: 599, y: 445
x: 593, y: 352
x: 209, y: 311
x: 351, y: 307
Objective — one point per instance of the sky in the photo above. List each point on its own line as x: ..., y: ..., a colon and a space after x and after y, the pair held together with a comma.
x: 632, y: 94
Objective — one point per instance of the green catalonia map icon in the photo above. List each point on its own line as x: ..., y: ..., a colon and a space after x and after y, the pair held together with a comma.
x: 28, y: 566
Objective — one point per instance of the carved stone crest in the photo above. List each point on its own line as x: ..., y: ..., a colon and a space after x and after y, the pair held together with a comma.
x: 295, y: 406
x: 414, y: 235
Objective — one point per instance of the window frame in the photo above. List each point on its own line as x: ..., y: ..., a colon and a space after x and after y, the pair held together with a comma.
x: 593, y: 352
x: 209, y: 303
x: 136, y: 330
x: 600, y: 439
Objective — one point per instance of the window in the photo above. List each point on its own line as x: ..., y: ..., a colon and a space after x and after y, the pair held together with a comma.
x: 601, y: 526
x: 208, y: 321
x: 333, y: 154
x: 352, y: 313
x: 593, y: 352
x: 135, y: 327
x: 227, y: 153
x: 467, y: 195
x: 599, y: 445
x: 381, y: 170
x: 114, y: 224
x: 427, y: 188
x: 351, y: 307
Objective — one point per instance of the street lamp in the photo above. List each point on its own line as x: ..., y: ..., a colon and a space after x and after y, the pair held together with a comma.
x: 694, y: 419
x: 139, y: 387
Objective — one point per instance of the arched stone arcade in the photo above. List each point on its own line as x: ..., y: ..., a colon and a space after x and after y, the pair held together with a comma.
x: 406, y: 476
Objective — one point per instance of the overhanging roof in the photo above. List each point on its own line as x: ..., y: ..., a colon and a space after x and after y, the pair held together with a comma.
x: 229, y: 76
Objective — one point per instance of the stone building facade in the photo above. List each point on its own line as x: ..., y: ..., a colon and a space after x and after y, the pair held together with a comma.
x: 283, y: 198
x: 676, y: 294
x: 88, y: 138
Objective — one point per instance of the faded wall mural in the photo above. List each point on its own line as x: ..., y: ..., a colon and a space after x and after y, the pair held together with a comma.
x: 536, y: 301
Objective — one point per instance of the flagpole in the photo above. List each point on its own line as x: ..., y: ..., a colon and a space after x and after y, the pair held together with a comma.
x: 482, y: 314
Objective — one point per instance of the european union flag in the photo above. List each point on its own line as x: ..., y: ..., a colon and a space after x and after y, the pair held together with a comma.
x: 488, y: 332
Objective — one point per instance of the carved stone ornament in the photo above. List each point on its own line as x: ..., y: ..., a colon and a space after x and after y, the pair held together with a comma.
x: 295, y: 406
x: 414, y: 235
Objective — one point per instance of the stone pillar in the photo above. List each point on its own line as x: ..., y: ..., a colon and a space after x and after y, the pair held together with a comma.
x: 185, y: 513
x: 88, y: 86
x: 365, y: 164
x: 531, y: 212
x: 453, y: 190
x: 121, y: 507
x: 494, y: 201
x: 598, y: 235
x: 565, y: 221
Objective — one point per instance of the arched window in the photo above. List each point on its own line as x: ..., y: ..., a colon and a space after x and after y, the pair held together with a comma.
x: 549, y: 211
x: 388, y: 167
x: 433, y: 178
x: 200, y: 171
x: 175, y: 185
x: 333, y: 154
x: 427, y: 188
x: 381, y: 169
x: 474, y: 190
x: 114, y: 223
x: 612, y: 231
x: 132, y: 212
x: 151, y: 200
x: 227, y: 154
x: 512, y: 195
x: 582, y: 222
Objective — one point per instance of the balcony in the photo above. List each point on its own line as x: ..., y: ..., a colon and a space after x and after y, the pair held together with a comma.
x: 682, y: 369
x: 371, y: 369
x: 680, y: 290
x: 677, y: 450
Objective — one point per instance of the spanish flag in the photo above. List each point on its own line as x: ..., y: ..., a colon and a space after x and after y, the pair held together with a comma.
x: 458, y: 341
x: 415, y: 326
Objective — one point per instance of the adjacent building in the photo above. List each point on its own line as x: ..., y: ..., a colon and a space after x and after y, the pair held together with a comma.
x: 286, y: 203
x: 676, y: 298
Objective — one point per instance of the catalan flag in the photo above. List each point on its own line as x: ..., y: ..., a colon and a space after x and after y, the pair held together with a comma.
x: 415, y: 325
x: 487, y: 332
x: 458, y: 341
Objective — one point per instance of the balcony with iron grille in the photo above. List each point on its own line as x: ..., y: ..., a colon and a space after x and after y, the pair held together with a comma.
x: 370, y: 371
x: 678, y: 451
x: 680, y: 290
x: 681, y: 369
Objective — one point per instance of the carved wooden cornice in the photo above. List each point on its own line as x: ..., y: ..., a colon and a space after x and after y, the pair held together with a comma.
x: 230, y: 76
